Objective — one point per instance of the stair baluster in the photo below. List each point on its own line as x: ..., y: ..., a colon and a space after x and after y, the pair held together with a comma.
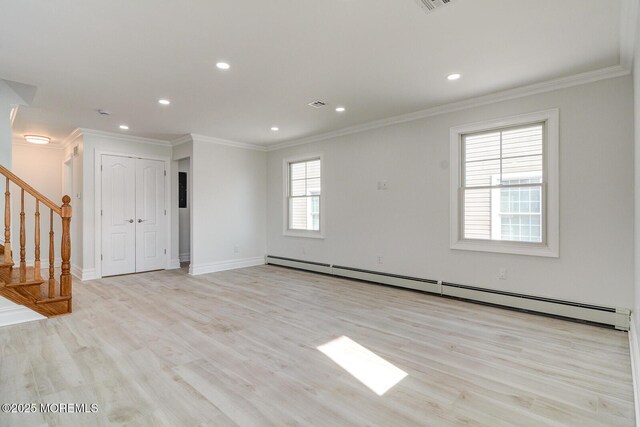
x: 52, y: 280
x: 8, y: 259
x: 37, y: 274
x: 23, y: 240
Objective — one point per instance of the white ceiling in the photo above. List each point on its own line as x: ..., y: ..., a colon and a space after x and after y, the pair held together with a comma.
x: 378, y: 58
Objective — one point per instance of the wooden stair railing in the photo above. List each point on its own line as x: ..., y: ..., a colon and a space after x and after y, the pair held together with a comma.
x: 25, y: 284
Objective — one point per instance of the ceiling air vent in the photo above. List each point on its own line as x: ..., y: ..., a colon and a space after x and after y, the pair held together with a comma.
x: 431, y: 5
x: 317, y: 104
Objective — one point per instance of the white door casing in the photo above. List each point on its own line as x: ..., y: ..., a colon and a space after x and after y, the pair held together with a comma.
x: 150, y: 215
x: 133, y: 215
x: 118, y: 215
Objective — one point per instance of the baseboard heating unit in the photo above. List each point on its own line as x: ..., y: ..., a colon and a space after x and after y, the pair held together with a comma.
x: 616, y: 317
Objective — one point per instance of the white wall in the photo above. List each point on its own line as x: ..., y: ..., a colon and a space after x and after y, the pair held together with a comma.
x: 636, y: 84
x: 408, y: 225
x: 180, y: 152
x: 5, y: 135
x: 184, y: 216
x: 228, y: 191
x: 77, y: 196
x: 94, y: 142
x: 40, y: 167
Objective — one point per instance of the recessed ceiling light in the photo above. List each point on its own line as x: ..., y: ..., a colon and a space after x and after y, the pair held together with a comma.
x: 341, y: 109
x: 35, y: 139
x: 454, y: 76
x: 164, y: 101
x: 124, y: 127
x: 275, y: 128
x: 223, y: 65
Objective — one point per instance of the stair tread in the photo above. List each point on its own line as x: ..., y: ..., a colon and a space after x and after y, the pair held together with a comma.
x: 26, y: 274
x: 6, y: 264
x: 49, y: 310
x: 52, y: 300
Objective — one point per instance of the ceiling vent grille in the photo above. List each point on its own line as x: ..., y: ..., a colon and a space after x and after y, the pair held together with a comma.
x: 431, y: 5
x: 317, y: 104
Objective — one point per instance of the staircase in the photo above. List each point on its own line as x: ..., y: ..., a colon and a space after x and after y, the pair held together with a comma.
x: 25, y: 285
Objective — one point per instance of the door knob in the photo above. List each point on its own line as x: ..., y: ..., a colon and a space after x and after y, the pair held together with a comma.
x: 141, y: 220
x: 130, y: 221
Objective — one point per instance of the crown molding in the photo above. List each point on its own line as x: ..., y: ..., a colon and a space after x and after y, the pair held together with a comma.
x: 628, y: 32
x: 225, y: 142
x: 536, y: 88
x: 50, y: 146
x: 126, y: 138
x: 182, y: 140
x: 71, y: 137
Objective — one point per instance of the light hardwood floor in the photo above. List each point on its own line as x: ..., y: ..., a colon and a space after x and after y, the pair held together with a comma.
x: 240, y: 348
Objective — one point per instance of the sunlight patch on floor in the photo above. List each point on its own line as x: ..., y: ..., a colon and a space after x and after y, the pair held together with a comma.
x: 369, y: 368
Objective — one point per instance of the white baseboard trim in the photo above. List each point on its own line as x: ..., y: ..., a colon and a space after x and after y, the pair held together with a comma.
x: 76, y: 271
x: 185, y: 257
x: 88, y: 274
x: 614, y: 316
x: 634, y: 351
x: 225, y: 265
x: 173, y: 264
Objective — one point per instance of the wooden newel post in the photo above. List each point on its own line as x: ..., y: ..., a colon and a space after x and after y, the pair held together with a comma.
x: 65, y: 251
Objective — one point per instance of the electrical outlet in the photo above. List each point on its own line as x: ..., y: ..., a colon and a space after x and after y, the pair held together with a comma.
x: 303, y: 250
x: 379, y: 259
x: 382, y: 185
x: 502, y: 274
x: 236, y: 249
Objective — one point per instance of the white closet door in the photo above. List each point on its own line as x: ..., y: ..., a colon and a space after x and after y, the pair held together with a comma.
x: 118, y: 215
x: 150, y: 215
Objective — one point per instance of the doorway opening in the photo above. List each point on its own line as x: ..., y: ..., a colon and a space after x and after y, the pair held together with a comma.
x: 184, y: 212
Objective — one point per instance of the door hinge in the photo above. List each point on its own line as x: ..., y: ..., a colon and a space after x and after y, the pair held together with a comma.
x: 165, y: 173
x: 165, y: 251
x: 101, y: 257
x: 165, y: 211
x: 100, y: 168
x: 100, y: 212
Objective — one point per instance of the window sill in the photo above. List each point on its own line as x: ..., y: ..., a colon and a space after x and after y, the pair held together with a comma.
x: 305, y: 234
x: 513, y: 248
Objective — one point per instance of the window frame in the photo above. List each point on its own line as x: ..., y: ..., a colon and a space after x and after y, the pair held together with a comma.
x: 286, y: 171
x: 550, y: 186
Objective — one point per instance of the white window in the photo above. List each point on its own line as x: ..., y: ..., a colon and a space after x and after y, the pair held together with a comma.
x: 504, y: 185
x: 303, y: 197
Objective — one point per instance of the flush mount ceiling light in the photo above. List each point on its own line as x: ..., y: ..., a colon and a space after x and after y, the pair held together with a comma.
x: 454, y: 76
x: 164, y: 102
x: 275, y: 128
x: 124, y: 127
x: 340, y: 109
x: 223, y: 65
x: 36, y: 139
